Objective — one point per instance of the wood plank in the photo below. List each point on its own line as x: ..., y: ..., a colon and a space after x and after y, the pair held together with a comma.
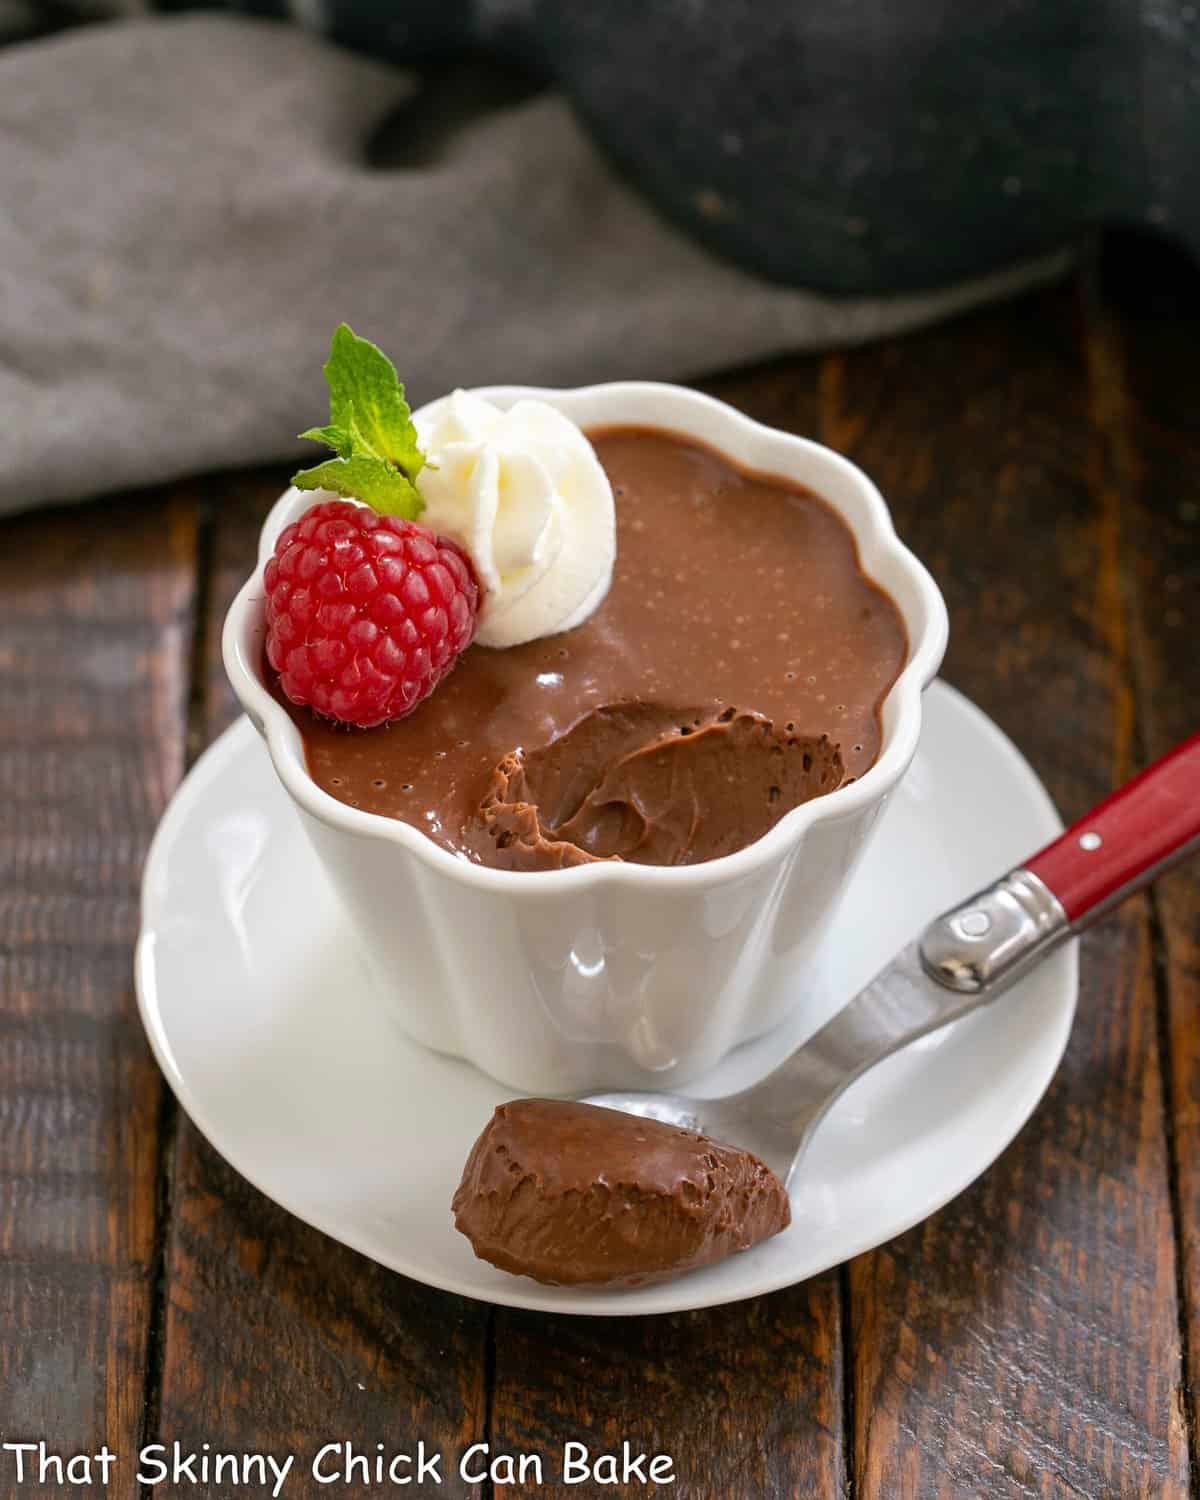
x: 276, y: 1338
x: 1148, y: 365
x: 279, y: 1340
x: 1025, y: 1340
x: 747, y: 1399
x: 94, y: 651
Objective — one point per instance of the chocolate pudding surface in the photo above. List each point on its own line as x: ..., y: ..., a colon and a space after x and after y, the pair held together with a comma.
x: 735, y: 669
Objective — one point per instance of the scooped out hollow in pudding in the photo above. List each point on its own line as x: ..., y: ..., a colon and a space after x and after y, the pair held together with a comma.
x: 735, y: 669
x: 649, y: 784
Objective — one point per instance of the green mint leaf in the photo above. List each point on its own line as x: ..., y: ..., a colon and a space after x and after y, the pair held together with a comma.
x: 364, y: 477
x: 337, y: 438
x: 370, y: 429
x: 365, y: 394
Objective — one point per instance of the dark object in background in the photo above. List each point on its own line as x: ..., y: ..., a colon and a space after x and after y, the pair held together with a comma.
x: 848, y: 148
x: 865, y: 147
x: 859, y: 147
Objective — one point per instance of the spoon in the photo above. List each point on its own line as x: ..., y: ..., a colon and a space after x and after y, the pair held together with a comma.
x: 963, y: 960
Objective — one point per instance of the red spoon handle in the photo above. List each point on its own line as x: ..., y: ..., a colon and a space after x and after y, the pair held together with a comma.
x: 1125, y: 841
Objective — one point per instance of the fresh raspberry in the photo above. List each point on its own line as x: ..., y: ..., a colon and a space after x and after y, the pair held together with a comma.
x: 365, y: 613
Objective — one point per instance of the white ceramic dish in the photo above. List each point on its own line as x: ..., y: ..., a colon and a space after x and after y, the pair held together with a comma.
x: 270, y: 1032
x: 609, y: 975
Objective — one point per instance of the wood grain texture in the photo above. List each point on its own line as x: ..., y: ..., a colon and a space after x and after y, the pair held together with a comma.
x: 1149, y: 303
x: 747, y: 1399
x: 95, y: 628
x: 275, y: 1338
x: 279, y: 1340
x: 1025, y: 1341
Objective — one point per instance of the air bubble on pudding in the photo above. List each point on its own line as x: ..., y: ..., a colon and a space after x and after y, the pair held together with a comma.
x: 728, y: 716
x: 858, y: 749
x: 406, y: 786
x: 335, y: 781
x: 379, y: 783
x: 773, y: 793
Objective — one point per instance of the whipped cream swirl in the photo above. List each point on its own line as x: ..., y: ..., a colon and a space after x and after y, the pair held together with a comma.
x: 523, y: 491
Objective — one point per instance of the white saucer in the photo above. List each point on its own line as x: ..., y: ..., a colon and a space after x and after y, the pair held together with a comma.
x: 264, y: 1024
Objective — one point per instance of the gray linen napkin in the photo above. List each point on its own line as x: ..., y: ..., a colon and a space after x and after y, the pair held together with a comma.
x: 186, y: 211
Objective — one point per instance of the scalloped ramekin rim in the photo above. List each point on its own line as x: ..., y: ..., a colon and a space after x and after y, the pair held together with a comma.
x: 877, y: 544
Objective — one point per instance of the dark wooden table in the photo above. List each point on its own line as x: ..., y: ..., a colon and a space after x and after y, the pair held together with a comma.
x: 1038, y: 1337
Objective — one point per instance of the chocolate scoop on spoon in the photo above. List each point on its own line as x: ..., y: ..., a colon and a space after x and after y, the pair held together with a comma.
x: 571, y: 1192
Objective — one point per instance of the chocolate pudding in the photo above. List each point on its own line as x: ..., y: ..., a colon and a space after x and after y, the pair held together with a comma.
x: 735, y: 669
x: 570, y: 1193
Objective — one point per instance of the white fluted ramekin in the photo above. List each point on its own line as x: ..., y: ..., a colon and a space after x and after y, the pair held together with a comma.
x: 608, y: 975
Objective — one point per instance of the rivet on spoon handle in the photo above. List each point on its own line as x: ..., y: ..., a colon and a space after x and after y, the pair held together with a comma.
x: 1121, y: 845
